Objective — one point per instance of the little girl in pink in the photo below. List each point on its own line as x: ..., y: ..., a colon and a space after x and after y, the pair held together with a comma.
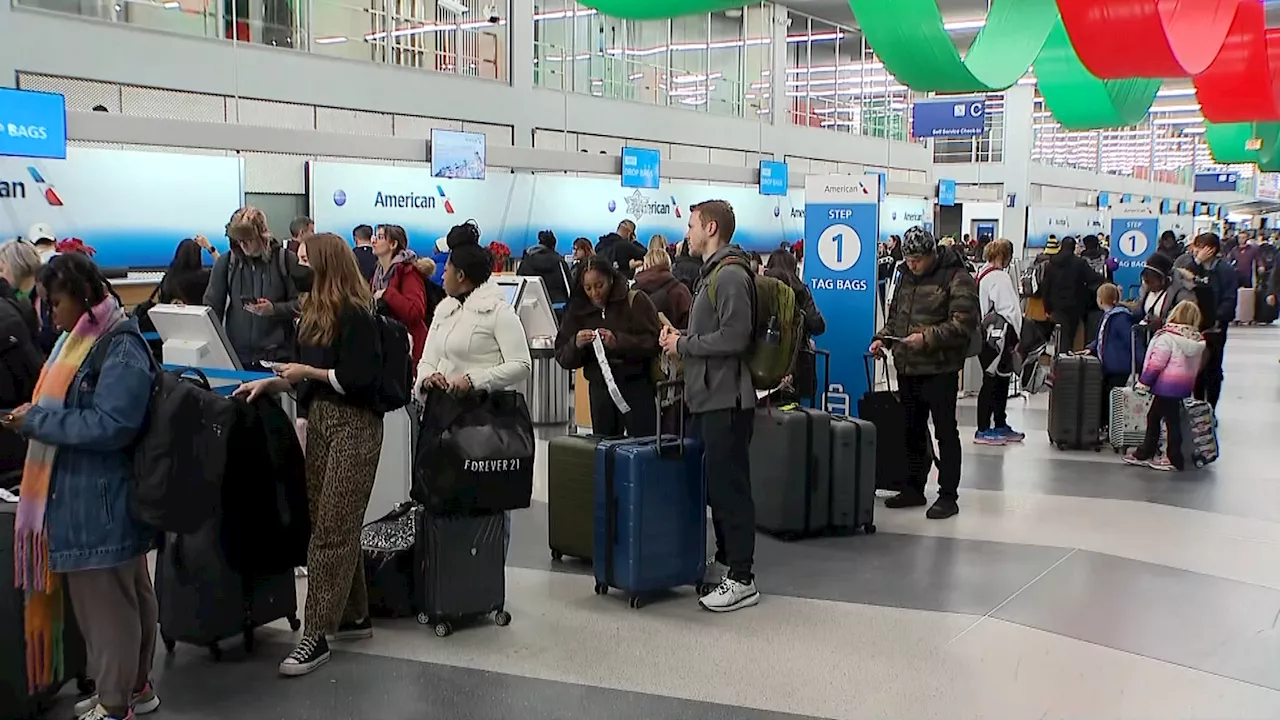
x: 1169, y: 374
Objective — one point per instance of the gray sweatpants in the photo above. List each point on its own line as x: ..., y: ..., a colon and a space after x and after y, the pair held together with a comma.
x: 117, y: 612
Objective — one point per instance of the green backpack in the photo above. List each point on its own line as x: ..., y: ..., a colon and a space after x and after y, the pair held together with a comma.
x: 778, y: 326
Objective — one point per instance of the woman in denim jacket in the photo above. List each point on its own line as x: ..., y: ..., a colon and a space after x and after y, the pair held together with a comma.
x: 73, y: 525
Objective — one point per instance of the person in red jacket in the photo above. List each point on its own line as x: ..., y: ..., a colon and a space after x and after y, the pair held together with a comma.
x: 398, y: 286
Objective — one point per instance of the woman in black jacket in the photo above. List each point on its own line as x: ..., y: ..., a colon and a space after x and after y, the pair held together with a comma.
x: 187, y: 277
x: 626, y: 324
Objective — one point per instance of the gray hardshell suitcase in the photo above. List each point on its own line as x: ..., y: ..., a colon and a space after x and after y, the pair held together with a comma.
x: 1075, y: 403
x: 853, y: 476
x: 462, y: 569
x: 571, y: 463
x: 790, y: 471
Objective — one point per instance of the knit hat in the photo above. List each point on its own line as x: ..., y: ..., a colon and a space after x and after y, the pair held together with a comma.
x: 1052, y: 246
x: 1159, y: 263
x: 918, y: 242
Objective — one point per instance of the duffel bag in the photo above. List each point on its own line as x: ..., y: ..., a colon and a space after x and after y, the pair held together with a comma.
x: 475, y: 453
x: 388, y: 545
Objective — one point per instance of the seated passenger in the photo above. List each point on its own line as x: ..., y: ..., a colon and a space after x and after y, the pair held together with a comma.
x: 337, y: 381
x: 89, y: 405
x: 627, y: 325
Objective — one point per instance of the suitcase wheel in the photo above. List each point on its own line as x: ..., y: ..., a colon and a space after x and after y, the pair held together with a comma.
x: 870, y: 528
x: 1061, y: 446
x: 602, y: 589
x: 215, y: 653
x: 502, y: 618
x: 705, y: 589
x: 294, y: 623
x: 443, y: 629
x: 636, y: 602
x: 556, y: 555
x: 423, y: 619
x: 169, y: 644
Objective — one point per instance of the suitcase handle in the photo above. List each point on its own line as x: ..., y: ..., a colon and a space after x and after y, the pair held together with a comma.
x: 821, y: 390
x: 678, y: 445
x: 868, y: 364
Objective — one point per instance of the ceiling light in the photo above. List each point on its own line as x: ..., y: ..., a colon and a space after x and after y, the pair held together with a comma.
x: 964, y: 25
x: 1196, y: 120
x: 330, y: 40
x: 453, y: 6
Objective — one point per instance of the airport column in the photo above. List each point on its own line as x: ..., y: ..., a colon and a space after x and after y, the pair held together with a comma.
x: 1133, y: 240
x: 8, y: 48
x: 841, y: 218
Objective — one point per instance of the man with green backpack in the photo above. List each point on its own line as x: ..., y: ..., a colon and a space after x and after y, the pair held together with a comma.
x: 743, y: 334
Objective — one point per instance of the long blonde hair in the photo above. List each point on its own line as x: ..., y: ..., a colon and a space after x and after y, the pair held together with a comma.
x: 336, y: 283
x: 658, y: 242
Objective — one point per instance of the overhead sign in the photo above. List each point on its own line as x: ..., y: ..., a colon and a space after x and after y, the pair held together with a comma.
x: 840, y: 229
x: 641, y: 168
x: 773, y: 178
x: 1104, y: 199
x: 946, y: 193
x: 1216, y: 182
x: 1133, y: 240
x: 456, y: 154
x: 33, y: 124
x: 949, y: 117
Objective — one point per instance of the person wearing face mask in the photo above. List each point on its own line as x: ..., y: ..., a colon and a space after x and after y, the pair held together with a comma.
x: 1215, y: 290
x: 626, y: 323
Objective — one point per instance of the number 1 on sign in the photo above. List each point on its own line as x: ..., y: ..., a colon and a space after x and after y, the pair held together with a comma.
x: 839, y: 239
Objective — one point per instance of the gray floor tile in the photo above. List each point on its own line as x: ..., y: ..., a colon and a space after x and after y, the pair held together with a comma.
x: 1198, y: 621
x: 366, y: 686
x: 905, y: 571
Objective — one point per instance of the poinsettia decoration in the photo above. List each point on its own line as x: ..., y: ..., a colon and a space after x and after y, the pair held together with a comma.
x: 501, y: 254
x: 74, y: 244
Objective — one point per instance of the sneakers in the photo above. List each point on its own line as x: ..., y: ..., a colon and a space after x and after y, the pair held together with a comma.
x: 905, y: 499
x: 360, y: 630
x: 97, y: 712
x: 989, y: 437
x: 943, y: 509
x: 308, y: 656
x: 1009, y: 434
x: 144, y: 702
x: 730, y: 595
x: 715, y: 573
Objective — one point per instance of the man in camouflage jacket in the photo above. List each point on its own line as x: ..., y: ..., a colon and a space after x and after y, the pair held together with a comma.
x: 932, y: 321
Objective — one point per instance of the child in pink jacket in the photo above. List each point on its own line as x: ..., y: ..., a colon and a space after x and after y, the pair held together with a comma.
x: 1169, y: 374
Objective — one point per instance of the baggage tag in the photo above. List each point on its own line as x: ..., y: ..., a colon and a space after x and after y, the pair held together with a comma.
x: 836, y: 401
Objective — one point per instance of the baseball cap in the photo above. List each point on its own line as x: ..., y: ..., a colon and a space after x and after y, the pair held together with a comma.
x: 41, y: 231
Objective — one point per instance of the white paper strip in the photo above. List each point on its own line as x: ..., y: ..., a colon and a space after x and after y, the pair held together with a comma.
x: 606, y: 372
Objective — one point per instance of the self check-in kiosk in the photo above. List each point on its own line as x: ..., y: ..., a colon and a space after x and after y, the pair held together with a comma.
x: 547, y: 389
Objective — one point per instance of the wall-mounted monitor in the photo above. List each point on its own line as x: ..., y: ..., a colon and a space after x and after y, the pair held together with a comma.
x: 457, y: 154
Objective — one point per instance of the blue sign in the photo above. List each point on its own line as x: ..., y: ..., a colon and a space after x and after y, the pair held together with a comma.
x: 949, y: 117
x: 1104, y: 199
x: 946, y: 193
x: 841, y: 214
x: 1216, y: 182
x: 884, y: 181
x: 33, y: 124
x: 1146, y: 199
x: 1126, y: 198
x: 1166, y: 206
x: 1133, y: 240
x: 1183, y: 207
x: 641, y: 168
x: 773, y: 178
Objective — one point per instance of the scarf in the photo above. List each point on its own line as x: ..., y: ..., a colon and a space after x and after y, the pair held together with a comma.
x: 382, y: 276
x: 43, y: 593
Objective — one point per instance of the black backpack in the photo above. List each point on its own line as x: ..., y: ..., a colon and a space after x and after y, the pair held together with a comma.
x: 20, y: 363
x: 395, y: 386
x: 180, y: 454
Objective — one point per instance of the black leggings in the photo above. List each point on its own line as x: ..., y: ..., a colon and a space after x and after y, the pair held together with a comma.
x: 641, y: 395
x: 1168, y: 411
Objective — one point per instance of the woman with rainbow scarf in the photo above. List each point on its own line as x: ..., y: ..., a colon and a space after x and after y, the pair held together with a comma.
x: 73, y: 529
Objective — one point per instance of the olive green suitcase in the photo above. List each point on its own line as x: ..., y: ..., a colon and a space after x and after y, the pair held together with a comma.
x: 571, y: 462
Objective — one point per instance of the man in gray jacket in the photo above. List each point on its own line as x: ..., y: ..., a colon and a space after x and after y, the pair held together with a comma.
x: 247, y: 283
x: 721, y: 398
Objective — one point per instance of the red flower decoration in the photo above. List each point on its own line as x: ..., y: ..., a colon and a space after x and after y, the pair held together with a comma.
x: 73, y: 244
x: 501, y: 254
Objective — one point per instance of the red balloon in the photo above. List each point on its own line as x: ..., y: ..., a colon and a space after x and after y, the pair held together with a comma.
x: 1119, y: 39
x: 1243, y: 82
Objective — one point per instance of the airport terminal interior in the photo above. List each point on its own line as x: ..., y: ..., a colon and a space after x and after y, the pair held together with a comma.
x: 1069, y: 585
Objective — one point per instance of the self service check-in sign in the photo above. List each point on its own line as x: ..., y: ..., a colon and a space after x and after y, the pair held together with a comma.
x: 33, y: 124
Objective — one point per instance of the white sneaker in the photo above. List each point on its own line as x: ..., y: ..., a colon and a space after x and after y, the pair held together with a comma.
x: 713, y: 575
x: 144, y: 702
x: 730, y: 595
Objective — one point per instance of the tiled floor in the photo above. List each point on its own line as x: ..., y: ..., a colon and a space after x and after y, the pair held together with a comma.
x: 1070, y: 586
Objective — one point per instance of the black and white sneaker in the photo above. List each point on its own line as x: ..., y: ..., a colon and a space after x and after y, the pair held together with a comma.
x: 359, y: 630
x: 310, y: 654
x: 730, y: 595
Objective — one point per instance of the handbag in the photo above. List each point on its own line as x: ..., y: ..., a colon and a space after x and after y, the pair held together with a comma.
x: 388, y: 545
x: 475, y: 453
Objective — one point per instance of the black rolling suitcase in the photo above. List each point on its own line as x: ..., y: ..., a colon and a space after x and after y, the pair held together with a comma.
x: 16, y: 703
x: 791, y: 471
x: 1075, y: 403
x: 885, y: 411
x: 571, y: 463
x: 853, y: 473
x: 203, y: 601
x: 461, y: 569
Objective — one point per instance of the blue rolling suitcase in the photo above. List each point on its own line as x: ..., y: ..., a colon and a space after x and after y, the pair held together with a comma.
x: 650, y: 515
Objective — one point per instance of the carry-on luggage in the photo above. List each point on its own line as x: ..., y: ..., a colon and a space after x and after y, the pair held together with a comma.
x: 389, y: 546
x: 462, y: 569
x: 571, y: 465
x: 884, y: 410
x: 791, y: 471
x: 1265, y: 313
x: 1127, y: 408
x: 1246, y: 304
x: 203, y: 601
x: 1199, y: 436
x: 16, y: 702
x: 650, y: 515
x: 852, y: 504
x: 1075, y: 403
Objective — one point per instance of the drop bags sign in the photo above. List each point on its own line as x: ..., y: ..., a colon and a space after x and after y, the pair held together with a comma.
x: 33, y: 124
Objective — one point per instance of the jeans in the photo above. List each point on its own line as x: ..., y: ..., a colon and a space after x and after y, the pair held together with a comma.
x: 993, y: 398
x: 726, y: 437
x: 1169, y: 411
x: 925, y: 396
x: 1209, y: 381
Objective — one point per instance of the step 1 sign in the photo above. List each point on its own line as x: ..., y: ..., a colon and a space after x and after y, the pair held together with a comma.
x: 1133, y: 236
x: 33, y: 124
x: 841, y: 218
